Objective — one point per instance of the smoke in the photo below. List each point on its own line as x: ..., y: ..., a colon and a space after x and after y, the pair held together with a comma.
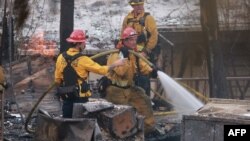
x: 53, y: 7
x: 21, y: 11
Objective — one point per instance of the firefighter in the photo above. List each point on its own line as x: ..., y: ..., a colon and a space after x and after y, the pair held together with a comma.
x: 122, y: 89
x: 145, y: 26
x: 71, y: 72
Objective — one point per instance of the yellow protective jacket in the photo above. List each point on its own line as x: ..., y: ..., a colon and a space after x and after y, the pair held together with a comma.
x: 123, y: 75
x: 150, y: 26
x: 2, y: 77
x: 82, y: 65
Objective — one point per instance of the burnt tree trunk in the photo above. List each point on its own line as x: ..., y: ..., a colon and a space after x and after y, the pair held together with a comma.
x: 66, y: 22
x: 4, y: 41
x: 209, y: 23
x: 4, y: 37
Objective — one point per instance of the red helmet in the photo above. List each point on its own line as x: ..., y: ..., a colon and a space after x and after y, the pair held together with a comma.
x: 77, y: 36
x: 128, y: 33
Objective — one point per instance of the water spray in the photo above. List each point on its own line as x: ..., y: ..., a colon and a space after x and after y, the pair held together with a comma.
x: 182, y: 100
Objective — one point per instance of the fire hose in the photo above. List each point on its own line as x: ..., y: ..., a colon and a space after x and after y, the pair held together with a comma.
x: 54, y: 84
x: 199, y: 95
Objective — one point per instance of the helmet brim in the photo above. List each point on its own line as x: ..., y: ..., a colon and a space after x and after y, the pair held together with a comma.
x: 136, y: 3
x: 74, y: 41
x: 130, y: 36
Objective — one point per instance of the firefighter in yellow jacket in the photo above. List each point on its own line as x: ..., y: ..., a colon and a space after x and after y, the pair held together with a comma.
x: 146, y: 28
x: 71, y: 72
x: 123, y: 89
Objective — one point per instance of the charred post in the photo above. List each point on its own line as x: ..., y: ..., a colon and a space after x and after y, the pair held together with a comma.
x: 66, y: 22
x: 210, y: 27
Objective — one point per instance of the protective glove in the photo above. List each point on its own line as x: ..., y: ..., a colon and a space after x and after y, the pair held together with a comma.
x: 125, y: 52
x: 154, y: 72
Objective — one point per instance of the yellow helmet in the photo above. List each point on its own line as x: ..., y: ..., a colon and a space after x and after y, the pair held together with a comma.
x: 136, y: 2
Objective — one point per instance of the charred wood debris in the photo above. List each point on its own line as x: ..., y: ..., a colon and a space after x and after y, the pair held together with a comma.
x: 108, y: 115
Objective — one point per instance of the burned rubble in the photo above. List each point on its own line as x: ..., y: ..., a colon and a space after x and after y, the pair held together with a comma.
x: 115, y: 122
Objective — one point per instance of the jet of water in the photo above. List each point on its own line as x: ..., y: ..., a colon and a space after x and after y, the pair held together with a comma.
x: 182, y: 100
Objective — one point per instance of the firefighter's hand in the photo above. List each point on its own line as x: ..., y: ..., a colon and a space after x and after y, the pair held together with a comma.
x: 125, y: 52
x: 154, y: 73
x: 117, y: 63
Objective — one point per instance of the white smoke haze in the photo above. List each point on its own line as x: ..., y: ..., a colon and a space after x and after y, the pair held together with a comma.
x: 103, y: 19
